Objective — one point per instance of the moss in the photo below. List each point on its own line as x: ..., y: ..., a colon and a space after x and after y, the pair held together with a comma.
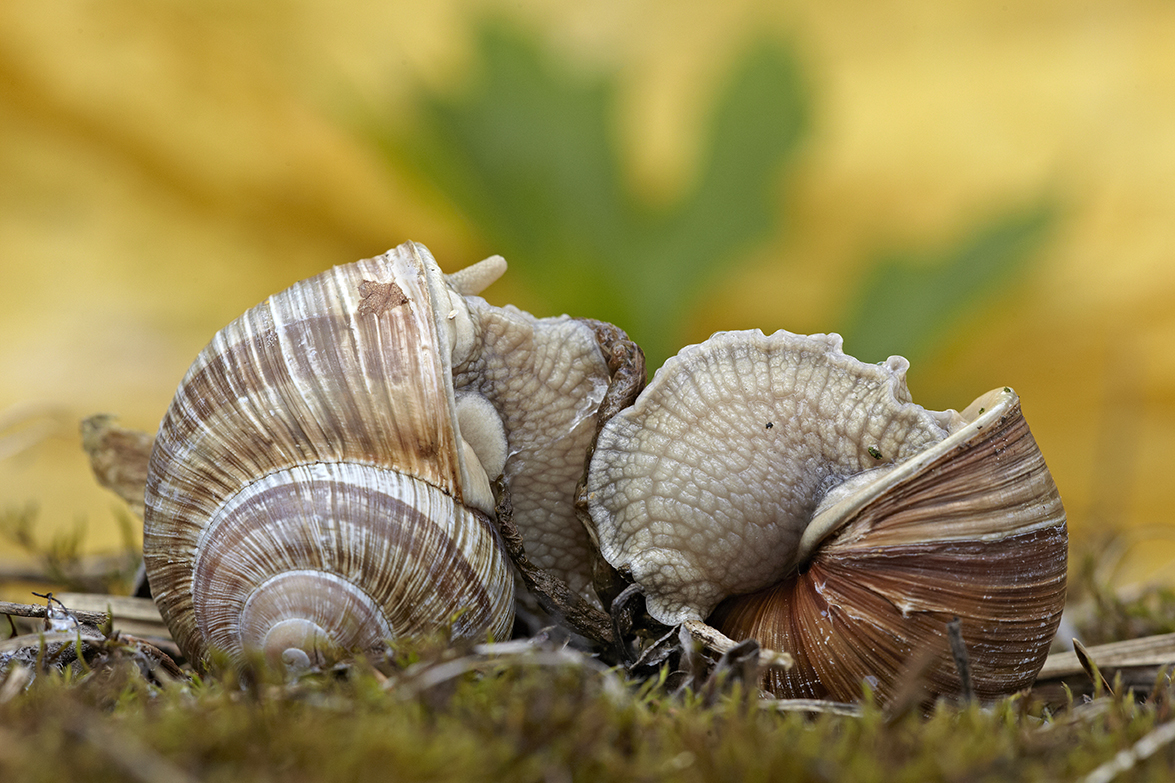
x: 1100, y: 613
x: 557, y: 717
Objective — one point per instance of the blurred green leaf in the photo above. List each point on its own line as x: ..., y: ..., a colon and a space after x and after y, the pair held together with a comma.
x: 528, y: 152
x: 909, y: 302
x: 757, y: 123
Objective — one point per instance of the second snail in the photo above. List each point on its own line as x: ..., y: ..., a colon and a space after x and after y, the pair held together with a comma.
x: 777, y: 488
x: 769, y: 486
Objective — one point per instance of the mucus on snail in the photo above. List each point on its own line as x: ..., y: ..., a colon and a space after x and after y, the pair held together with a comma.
x: 321, y: 482
x: 774, y: 487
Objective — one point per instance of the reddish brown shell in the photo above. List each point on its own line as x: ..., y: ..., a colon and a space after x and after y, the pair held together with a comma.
x: 976, y: 531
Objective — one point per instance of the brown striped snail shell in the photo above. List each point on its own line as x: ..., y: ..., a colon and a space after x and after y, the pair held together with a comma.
x: 321, y: 481
x: 782, y: 490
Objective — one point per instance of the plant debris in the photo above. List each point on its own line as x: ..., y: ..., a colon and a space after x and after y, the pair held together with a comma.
x: 539, y: 709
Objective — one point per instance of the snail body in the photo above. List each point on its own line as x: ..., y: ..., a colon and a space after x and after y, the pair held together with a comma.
x: 784, y: 491
x: 322, y: 480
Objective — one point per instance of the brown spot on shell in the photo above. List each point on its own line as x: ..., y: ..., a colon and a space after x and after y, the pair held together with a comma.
x: 376, y: 297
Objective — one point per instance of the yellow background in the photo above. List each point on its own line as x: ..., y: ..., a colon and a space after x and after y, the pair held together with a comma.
x: 165, y: 165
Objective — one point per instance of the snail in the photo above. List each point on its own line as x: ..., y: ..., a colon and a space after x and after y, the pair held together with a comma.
x: 322, y: 479
x: 774, y: 487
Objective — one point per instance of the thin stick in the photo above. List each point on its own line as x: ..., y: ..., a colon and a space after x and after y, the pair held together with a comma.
x: 721, y: 643
x: 1091, y: 667
x: 95, y: 619
x: 1125, y: 760
x: 962, y: 660
x: 811, y: 705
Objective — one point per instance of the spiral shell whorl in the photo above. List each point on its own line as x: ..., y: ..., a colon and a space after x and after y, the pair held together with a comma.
x: 344, y: 382
x: 363, y: 553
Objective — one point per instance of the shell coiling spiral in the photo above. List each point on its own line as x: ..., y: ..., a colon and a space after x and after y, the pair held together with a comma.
x: 312, y: 489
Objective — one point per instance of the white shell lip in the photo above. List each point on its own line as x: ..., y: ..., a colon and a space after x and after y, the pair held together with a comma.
x: 986, y: 410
